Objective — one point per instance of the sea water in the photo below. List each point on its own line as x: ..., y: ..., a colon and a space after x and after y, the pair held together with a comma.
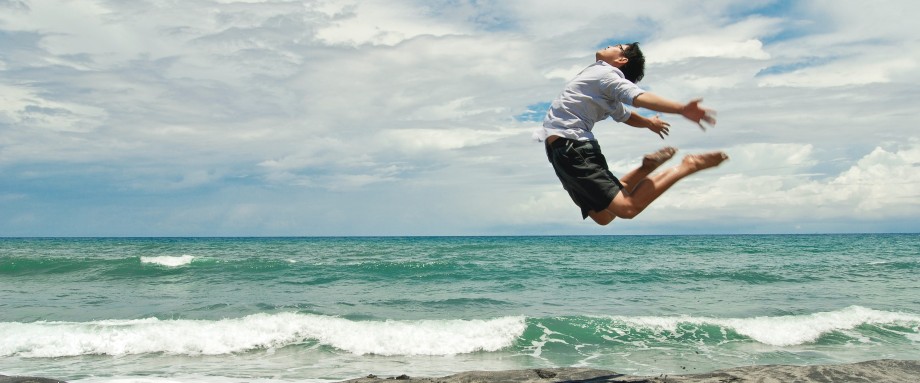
x: 328, y: 309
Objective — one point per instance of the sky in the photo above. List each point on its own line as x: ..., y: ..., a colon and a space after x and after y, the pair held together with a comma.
x: 412, y: 117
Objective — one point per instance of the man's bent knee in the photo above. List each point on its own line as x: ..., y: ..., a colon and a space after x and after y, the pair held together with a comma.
x: 603, y: 221
x: 624, y: 207
x: 624, y: 211
x: 629, y: 214
x: 603, y: 218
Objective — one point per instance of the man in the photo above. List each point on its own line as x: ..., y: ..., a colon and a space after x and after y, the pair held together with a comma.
x: 603, y: 90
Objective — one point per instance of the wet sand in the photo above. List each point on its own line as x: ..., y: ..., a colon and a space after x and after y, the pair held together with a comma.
x: 892, y: 371
x: 876, y: 371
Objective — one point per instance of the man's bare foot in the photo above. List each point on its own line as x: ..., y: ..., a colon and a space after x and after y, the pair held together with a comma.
x: 697, y: 162
x: 652, y: 161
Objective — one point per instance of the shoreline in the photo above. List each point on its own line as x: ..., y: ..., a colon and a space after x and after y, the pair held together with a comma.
x: 882, y: 370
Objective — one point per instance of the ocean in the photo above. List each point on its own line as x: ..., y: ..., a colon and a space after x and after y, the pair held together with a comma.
x: 330, y: 309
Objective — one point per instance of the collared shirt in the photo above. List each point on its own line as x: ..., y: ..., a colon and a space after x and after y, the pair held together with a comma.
x: 599, y: 91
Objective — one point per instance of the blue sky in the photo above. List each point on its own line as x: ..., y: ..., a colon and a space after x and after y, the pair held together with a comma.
x: 213, y: 118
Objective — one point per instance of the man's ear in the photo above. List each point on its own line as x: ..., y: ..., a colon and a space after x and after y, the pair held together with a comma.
x: 620, y: 62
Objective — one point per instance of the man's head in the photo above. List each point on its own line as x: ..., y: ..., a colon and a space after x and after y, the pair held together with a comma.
x: 627, y: 57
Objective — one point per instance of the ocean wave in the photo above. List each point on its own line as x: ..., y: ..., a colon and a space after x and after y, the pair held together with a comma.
x: 852, y: 326
x: 794, y: 330
x: 169, y: 261
x: 788, y: 330
x: 23, y: 266
x: 257, y: 331
x: 514, y: 334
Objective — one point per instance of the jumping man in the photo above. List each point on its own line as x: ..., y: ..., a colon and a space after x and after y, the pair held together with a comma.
x: 603, y: 90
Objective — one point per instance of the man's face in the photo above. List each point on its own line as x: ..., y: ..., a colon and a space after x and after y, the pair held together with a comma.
x: 614, y: 55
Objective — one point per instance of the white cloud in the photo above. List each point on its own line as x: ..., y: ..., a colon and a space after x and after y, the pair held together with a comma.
x: 443, y: 139
x: 697, y: 46
x: 883, y: 183
x: 842, y: 74
x: 78, y: 27
x: 25, y: 107
x: 776, y: 182
x: 380, y: 23
x: 404, y: 111
x: 733, y: 41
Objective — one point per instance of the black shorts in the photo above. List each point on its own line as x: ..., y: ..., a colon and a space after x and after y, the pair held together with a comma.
x: 583, y: 170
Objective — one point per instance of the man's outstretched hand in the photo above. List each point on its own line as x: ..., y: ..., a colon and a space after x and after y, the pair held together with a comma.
x: 698, y: 114
x: 659, y: 126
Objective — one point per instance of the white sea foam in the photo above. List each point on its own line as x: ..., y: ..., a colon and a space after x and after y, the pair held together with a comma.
x: 783, y: 330
x: 169, y: 261
x: 258, y: 331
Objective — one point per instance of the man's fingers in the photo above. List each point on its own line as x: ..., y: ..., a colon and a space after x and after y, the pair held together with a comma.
x: 710, y: 117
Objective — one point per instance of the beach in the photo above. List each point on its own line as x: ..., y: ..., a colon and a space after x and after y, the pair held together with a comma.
x: 877, y: 371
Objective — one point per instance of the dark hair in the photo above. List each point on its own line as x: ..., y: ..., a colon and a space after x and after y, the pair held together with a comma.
x: 634, y: 69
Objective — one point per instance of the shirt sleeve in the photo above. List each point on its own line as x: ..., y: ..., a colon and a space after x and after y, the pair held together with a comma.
x: 620, y: 89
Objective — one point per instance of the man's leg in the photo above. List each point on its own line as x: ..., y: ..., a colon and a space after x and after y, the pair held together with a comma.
x: 630, y: 204
x: 650, y: 162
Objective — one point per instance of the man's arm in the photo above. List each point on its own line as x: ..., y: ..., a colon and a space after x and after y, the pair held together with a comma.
x: 691, y: 110
x: 655, y: 124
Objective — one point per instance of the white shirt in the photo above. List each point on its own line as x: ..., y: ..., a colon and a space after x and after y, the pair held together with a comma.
x: 598, y: 92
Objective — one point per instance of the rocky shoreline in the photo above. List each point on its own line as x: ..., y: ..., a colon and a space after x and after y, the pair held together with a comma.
x: 876, y: 371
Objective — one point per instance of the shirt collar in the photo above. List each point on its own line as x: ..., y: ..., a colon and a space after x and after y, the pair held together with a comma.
x: 613, y: 68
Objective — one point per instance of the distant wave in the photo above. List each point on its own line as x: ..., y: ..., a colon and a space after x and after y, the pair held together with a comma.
x: 169, y: 261
x: 442, y: 337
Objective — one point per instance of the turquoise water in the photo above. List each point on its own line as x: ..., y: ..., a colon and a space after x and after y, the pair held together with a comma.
x: 320, y: 309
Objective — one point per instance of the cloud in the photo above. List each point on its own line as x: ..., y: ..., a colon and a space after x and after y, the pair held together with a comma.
x: 25, y: 107
x: 883, y: 183
x: 739, y: 40
x: 244, y: 117
x: 778, y: 182
x: 842, y: 74
x: 380, y: 23
x: 439, y: 139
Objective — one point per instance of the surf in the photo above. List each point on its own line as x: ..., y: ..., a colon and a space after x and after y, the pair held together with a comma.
x: 435, y: 337
x: 854, y: 324
x: 257, y: 332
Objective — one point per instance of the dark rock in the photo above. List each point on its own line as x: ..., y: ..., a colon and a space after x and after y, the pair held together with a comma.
x: 545, y: 374
x: 27, y: 379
